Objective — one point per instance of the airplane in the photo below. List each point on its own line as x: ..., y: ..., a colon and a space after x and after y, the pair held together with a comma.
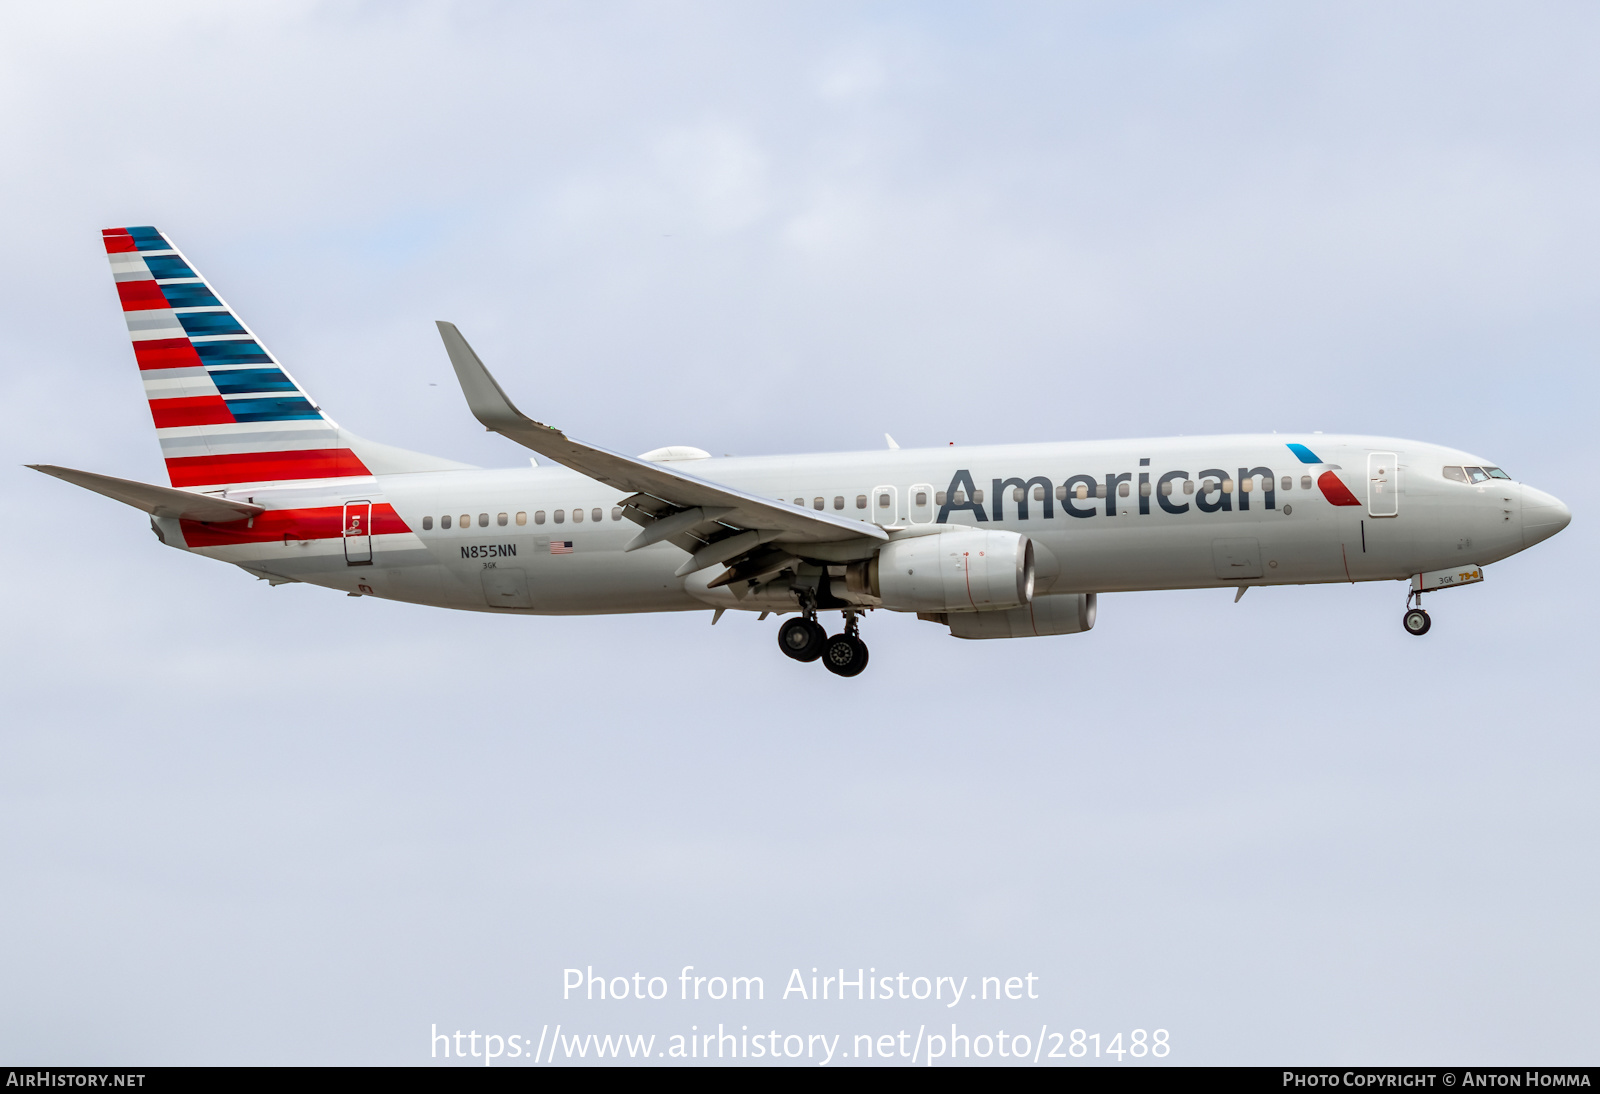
x: 1000, y: 541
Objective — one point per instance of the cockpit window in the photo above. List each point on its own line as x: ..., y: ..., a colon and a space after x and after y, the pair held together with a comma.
x: 1477, y: 474
x: 1455, y: 474
x: 1496, y: 473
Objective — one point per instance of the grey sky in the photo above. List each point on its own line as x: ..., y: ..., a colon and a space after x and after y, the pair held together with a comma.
x: 241, y: 824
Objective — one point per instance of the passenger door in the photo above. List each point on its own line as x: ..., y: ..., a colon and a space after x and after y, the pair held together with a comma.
x: 1383, y: 481
x: 357, y: 533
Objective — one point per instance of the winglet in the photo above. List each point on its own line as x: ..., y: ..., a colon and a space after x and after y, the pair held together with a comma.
x: 891, y: 442
x: 487, y: 401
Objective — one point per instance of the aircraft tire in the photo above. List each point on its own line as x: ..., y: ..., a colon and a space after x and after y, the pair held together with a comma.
x: 1417, y: 622
x: 845, y: 655
x: 802, y: 639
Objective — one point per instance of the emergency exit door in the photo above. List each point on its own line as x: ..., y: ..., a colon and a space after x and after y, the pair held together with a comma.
x: 358, y: 533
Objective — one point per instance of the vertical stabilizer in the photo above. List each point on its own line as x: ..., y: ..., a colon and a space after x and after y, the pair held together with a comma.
x: 226, y: 412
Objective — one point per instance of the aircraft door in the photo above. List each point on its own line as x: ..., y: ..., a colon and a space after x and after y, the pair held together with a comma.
x: 919, y: 503
x: 885, y: 504
x: 357, y: 533
x: 1383, y: 481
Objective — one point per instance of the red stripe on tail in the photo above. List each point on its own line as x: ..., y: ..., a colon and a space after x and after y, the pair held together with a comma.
x: 166, y: 353
x: 195, y: 410
x: 140, y: 295
x: 318, y: 463
x: 118, y: 240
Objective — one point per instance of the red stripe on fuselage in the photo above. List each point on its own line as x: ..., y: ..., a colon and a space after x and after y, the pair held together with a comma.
x: 274, y: 524
x: 165, y: 353
x: 195, y: 410
x: 140, y: 295
x: 317, y: 463
x: 1335, y: 490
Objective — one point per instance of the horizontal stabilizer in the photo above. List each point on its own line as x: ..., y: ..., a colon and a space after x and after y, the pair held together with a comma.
x: 158, y: 501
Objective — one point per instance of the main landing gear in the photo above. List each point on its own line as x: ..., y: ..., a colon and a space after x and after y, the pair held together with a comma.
x: 1416, y: 621
x: 805, y: 640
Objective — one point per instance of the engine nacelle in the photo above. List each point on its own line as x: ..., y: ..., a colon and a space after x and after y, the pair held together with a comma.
x: 965, y: 571
x: 1065, y: 613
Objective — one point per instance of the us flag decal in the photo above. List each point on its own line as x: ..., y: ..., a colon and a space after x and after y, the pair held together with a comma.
x: 561, y: 546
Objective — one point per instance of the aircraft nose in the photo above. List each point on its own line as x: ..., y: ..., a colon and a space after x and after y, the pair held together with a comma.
x: 1543, y: 515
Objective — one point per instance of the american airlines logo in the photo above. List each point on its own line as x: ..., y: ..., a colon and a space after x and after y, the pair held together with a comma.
x: 1173, y: 491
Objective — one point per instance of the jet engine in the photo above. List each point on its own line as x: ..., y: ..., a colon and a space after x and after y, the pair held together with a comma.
x: 965, y: 571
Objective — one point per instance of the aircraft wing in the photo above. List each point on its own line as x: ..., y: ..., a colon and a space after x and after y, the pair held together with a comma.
x: 697, y: 512
x: 158, y: 501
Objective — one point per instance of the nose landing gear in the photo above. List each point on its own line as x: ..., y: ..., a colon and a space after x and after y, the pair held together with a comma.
x: 804, y: 639
x: 1416, y: 621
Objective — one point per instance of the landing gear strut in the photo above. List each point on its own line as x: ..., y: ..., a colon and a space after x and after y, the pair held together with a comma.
x: 1416, y: 621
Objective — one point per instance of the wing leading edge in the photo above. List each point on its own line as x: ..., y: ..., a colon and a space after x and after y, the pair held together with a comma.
x: 733, y: 523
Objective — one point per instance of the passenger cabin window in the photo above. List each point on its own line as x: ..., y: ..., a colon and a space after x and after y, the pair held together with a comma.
x: 1144, y: 490
x: 427, y: 523
x: 538, y: 516
x: 1287, y: 484
x: 561, y: 516
x: 577, y: 516
x: 1038, y: 493
x: 938, y: 497
x: 1305, y: 482
x: 483, y: 520
x: 861, y: 501
x: 977, y: 496
x: 501, y: 520
x: 466, y: 521
x: 616, y: 512
x: 922, y: 499
x: 594, y: 514
x: 1016, y: 493
x: 816, y: 503
x: 838, y: 501
x: 1100, y: 490
x: 1477, y: 474
x: 1122, y: 490
x: 1166, y: 489
x: 522, y: 518
x: 1083, y: 491
x: 960, y: 498
x: 444, y: 521
x: 1188, y: 486
x: 1455, y: 474
x: 883, y: 500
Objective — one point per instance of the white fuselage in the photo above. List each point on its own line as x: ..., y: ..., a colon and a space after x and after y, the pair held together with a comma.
x: 1120, y: 533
